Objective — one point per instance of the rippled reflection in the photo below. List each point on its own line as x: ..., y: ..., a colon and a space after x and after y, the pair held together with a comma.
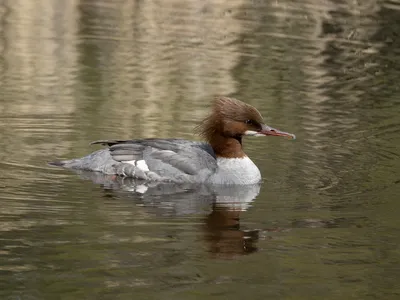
x: 222, y: 229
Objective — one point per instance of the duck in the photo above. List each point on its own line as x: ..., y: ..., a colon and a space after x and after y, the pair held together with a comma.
x: 219, y: 159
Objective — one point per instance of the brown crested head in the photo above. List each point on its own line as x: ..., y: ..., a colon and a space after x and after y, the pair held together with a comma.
x: 230, y: 118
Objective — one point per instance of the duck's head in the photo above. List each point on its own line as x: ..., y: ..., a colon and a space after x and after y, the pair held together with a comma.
x: 233, y: 118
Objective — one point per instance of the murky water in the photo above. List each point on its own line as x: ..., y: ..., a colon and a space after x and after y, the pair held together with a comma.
x: 323, y: 225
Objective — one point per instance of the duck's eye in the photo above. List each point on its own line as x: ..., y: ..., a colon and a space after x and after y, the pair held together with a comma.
x: 249, y: 122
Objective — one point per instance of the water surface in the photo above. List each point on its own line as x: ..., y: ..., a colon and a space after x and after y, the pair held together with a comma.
x: 324, y: 223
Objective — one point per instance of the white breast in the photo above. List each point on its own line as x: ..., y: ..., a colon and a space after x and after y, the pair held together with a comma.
x: 236, y: 171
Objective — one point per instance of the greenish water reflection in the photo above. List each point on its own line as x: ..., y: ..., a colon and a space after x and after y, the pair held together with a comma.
x: 324, y: 224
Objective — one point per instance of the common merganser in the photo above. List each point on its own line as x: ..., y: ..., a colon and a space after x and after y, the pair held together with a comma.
x: 219, y: 160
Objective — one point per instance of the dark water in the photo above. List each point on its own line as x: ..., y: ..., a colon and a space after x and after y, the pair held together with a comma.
x: 324, y: 224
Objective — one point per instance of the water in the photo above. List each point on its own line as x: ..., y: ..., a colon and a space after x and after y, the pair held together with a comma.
x: 324, y: 223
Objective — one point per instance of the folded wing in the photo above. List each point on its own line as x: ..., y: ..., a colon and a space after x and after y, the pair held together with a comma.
x: 165, y: 157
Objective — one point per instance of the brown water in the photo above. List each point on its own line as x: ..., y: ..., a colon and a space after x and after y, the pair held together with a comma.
x: 324, y: 224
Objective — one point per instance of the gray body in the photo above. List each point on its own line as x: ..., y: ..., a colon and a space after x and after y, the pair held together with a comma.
x: 168, y: 160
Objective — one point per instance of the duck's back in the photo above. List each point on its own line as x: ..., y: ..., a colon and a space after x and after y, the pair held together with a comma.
x: 174, y: 160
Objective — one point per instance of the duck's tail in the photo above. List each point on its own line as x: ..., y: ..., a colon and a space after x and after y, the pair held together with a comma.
x: 57, y: 163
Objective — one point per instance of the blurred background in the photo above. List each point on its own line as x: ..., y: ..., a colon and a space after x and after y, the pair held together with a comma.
x: 325, y: 223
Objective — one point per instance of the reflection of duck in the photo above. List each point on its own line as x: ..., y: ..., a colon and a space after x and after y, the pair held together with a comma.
x: 181, y: 198
x: 225, y: 237
x: 221, y: 227
x: 219, y: 161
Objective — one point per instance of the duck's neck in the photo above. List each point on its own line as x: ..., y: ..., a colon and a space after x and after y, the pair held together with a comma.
x: 234, y: 166
x: 227, y: 147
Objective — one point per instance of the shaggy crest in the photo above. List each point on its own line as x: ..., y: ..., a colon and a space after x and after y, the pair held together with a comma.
x: 224, y: 110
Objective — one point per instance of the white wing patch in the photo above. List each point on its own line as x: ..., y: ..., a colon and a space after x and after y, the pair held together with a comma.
x: 140, y: 164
